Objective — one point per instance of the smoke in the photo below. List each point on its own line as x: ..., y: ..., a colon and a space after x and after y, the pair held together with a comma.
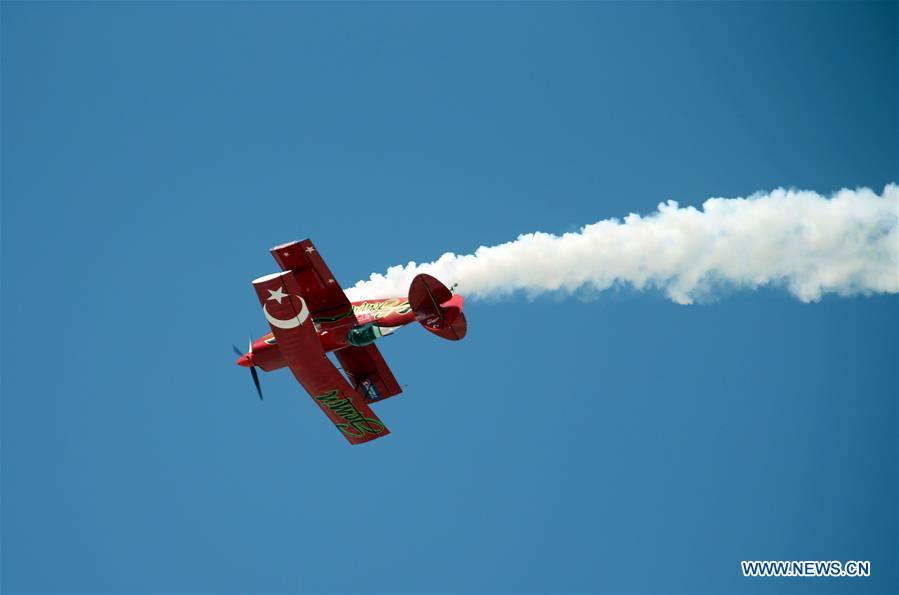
x: 810, y: 244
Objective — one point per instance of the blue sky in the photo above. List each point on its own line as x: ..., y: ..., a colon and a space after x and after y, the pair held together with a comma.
x: 153, y: 152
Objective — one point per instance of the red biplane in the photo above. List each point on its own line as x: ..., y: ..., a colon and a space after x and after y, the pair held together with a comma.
x: 310, y: 315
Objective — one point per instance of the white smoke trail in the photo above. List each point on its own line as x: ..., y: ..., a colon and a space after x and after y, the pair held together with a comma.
x: 846, y: 244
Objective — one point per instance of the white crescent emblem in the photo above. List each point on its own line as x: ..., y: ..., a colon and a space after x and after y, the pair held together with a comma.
x: 290, y: 322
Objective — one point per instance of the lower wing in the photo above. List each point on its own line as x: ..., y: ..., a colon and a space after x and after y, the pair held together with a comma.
x: 368, y: 372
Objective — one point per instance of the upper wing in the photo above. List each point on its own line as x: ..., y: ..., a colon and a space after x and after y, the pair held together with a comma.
x: 368, y: 372
x: 288, y: 312
x: 322, y: 292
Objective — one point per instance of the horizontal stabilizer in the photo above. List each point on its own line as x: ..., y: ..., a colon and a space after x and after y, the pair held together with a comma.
x: 437, y: 308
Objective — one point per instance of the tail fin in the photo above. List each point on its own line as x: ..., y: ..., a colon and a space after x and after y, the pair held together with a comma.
x: 437, y: 308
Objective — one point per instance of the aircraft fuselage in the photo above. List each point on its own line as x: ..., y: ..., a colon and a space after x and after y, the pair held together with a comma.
x: 373, y: 319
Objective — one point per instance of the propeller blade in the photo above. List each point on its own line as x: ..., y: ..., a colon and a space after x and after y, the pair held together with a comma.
x: 256, y: 381
x: 253, y: 371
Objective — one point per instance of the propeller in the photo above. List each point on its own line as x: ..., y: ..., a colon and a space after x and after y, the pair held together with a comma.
x: 252, y: 366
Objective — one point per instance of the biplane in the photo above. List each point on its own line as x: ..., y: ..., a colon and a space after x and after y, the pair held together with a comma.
x: 310, y: 316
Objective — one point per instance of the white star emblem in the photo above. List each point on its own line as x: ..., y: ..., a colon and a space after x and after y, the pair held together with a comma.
x: 310, y: 249
x: 277, y: 295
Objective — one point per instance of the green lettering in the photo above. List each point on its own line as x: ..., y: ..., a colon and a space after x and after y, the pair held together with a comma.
x: 357, y: 425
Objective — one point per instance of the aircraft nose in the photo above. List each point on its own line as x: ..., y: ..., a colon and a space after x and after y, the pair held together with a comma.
x: 246, y: 360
